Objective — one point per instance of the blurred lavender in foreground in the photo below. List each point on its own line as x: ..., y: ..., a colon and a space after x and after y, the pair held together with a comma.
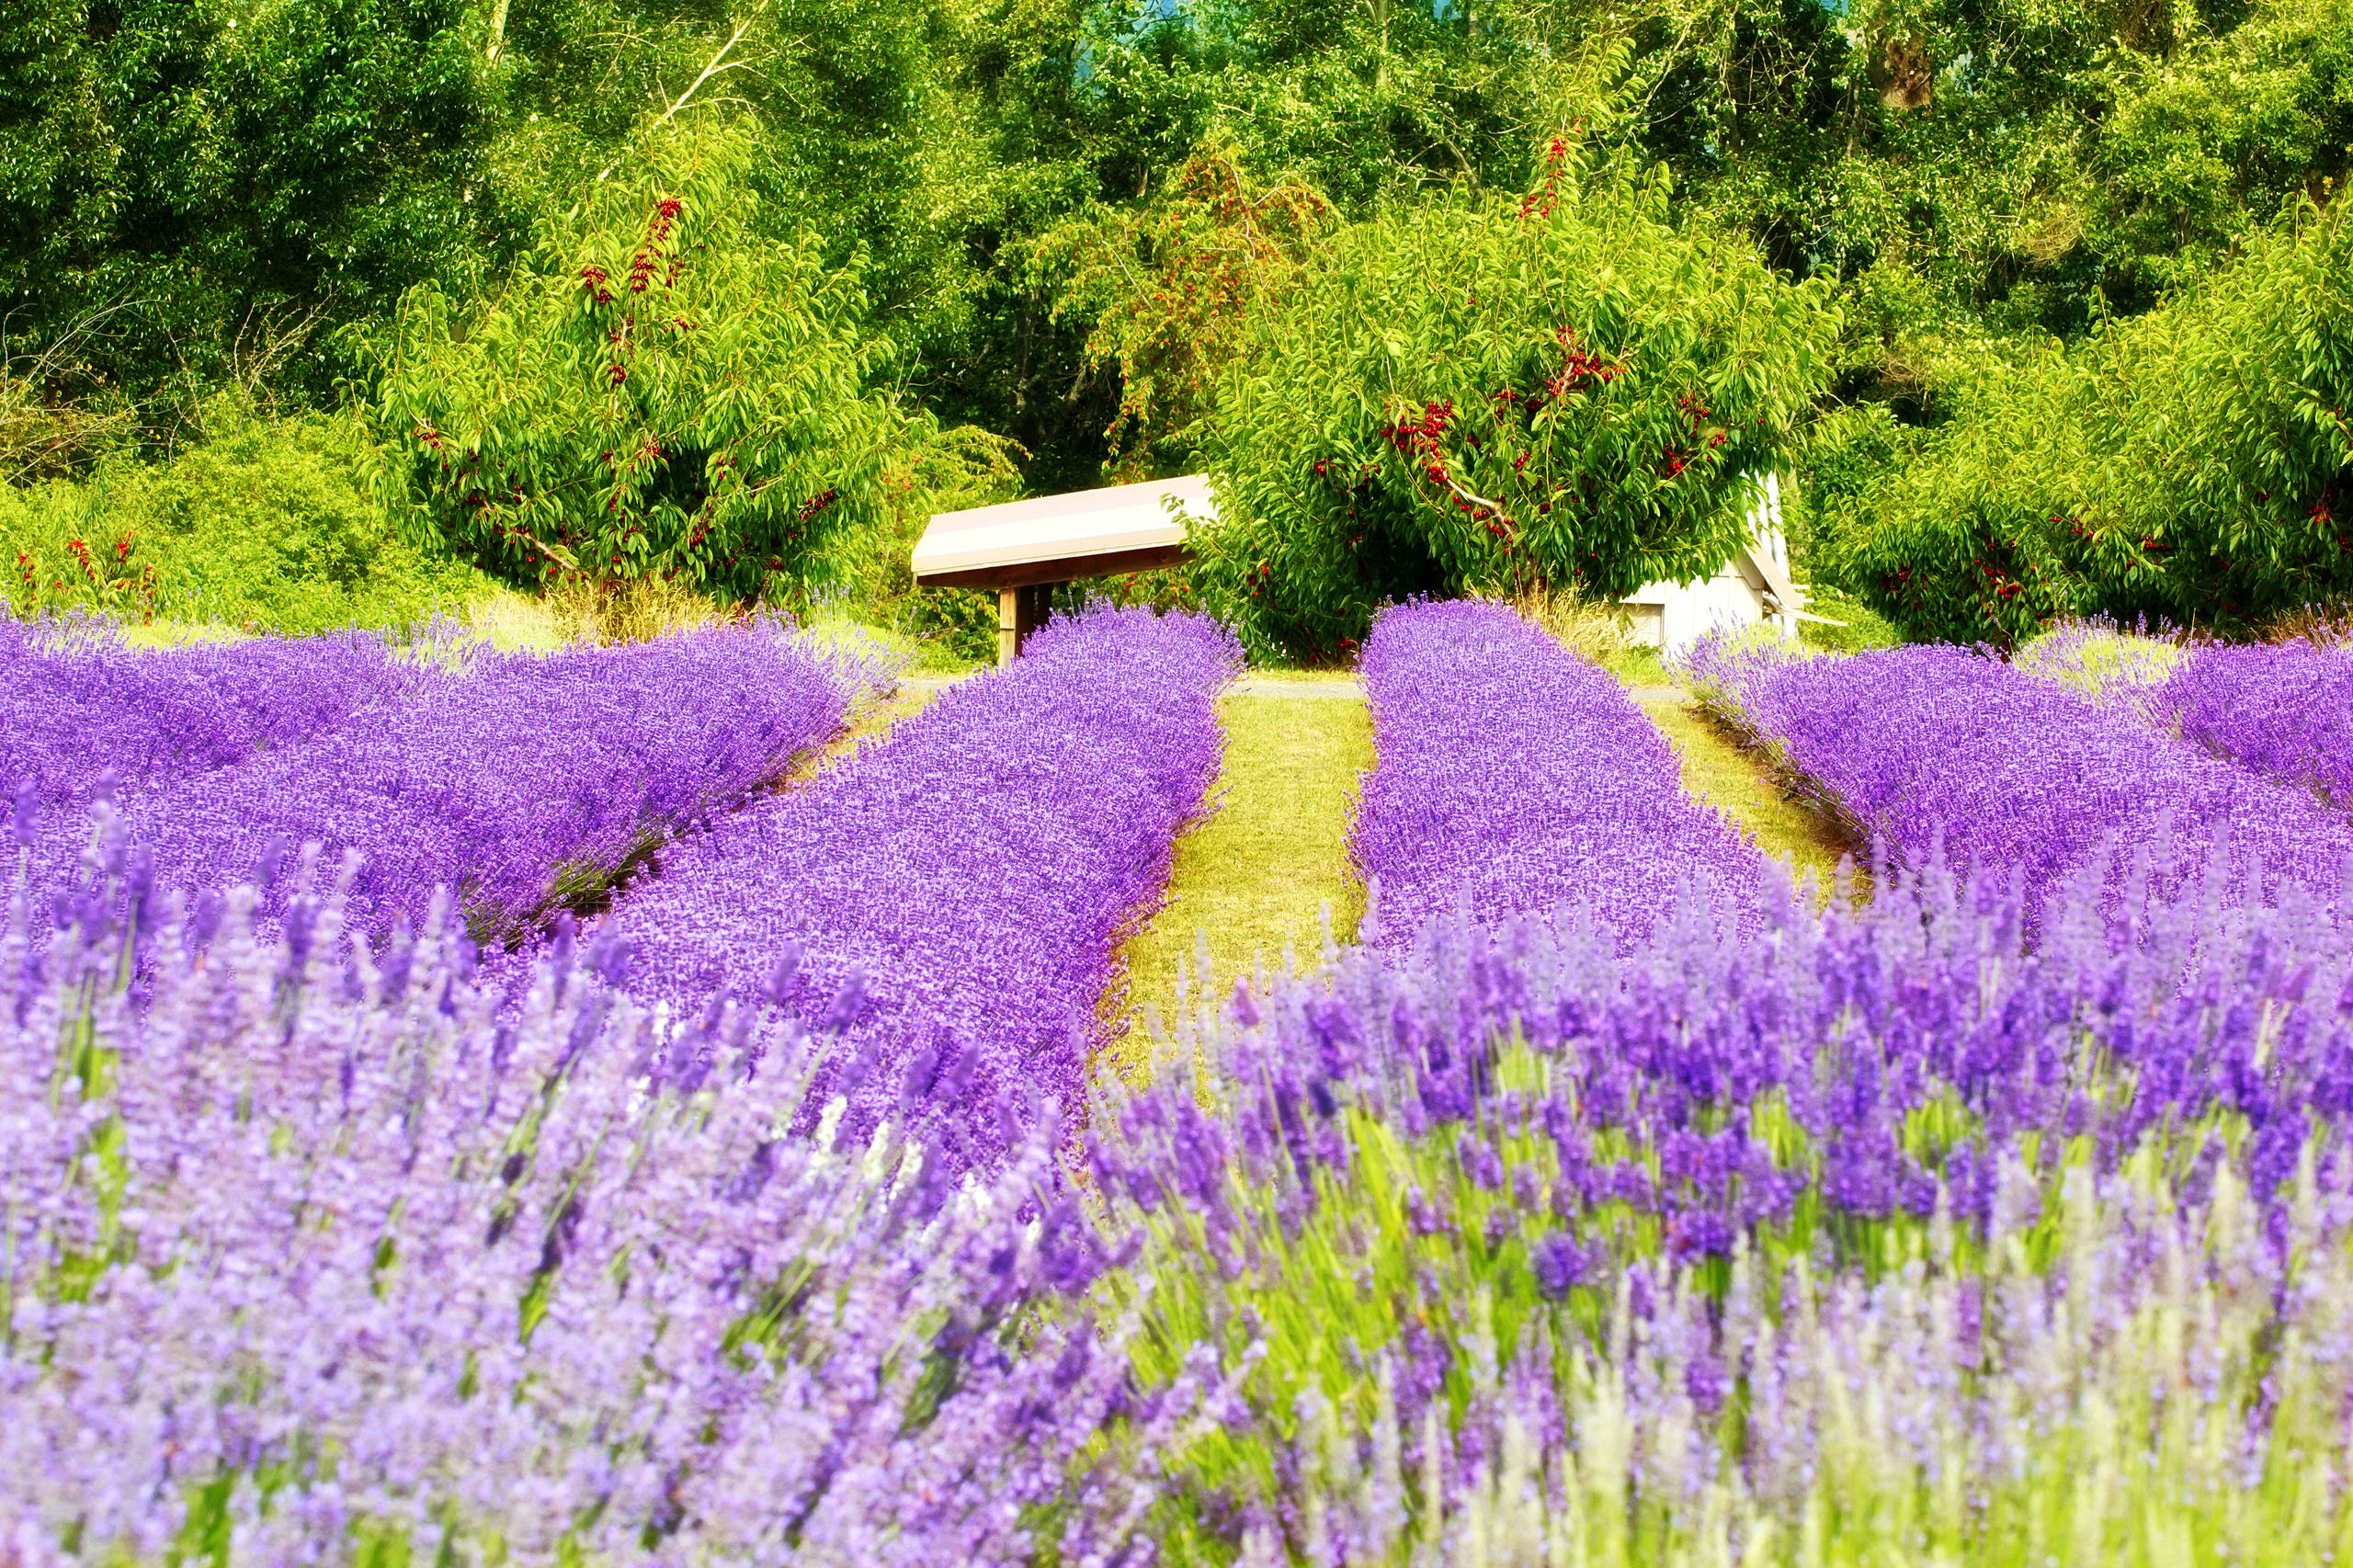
x: 1514, y: 778
x: 1926, y: 745
x: 1884, y: 1236
x: 319, y: 1256
x: 952, y: 897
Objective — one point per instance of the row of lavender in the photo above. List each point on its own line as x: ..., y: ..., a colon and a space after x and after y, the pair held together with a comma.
x: 2283, y: 710
x: 522, y: 782
x: 951, y: 899
x: 1533, y: 1234
x: 1933, y: 752
x: 1512, y: 777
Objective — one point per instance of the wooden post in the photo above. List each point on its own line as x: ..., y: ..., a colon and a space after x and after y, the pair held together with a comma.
x: 1008, y: 625
x: 1020, y: 612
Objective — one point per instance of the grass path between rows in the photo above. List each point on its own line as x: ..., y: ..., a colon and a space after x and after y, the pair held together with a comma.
x: 1735, y: 780
x: 1252, y: 878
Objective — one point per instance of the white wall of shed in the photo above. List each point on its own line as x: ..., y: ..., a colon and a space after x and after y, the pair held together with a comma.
x: 1671, y: 616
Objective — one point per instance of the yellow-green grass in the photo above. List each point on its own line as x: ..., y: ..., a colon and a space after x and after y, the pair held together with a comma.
x: 1738, y: 781
x: 1272, y: 675
x: 1253, y: 880
x: 177, y: 633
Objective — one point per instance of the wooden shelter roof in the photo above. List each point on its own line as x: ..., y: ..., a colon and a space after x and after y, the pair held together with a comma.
x: 1055, y: 538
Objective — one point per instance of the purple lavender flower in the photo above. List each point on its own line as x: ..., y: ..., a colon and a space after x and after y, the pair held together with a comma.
x: 2282, y: 710
x: 78, y: 708
x: 1942, y: 750
x: 521, y: 782
x: 320, y: 1244
x: 1895, y: 1157
x: 975, y: 870
x: 1514, y: 778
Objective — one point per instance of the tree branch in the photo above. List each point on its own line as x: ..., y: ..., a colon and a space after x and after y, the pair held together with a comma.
x: 718, y: 65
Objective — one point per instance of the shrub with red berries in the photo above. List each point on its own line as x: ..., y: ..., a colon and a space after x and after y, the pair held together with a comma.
x: 1486, y: 394
x: 664, y: 390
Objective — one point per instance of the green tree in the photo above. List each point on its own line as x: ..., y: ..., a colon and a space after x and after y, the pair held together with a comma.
x: 1482, y: 394
x: 2195, y: 463
x: 208, y: 181
x: 660, y: 389
x: 1169, y: 290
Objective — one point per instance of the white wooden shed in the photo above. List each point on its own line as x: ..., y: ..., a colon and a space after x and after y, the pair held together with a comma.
x: 1021, y: 549
x: 1751, y: 587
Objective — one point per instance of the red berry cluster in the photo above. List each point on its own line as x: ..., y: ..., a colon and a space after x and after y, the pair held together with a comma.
x: 1998, y: 568
x: 1674, y: 459
x: 1539, y: 203
x: 1420, y: 441
x: 593, y: 278
x: 1422, y: 444
x: 657, y: 235
x: 1579, y: 368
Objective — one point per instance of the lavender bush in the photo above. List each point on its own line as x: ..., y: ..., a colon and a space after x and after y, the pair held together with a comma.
x: 2283, y: 710
x: 1885, y: 1235
x: 79, y: 711
x: 1926, y: 745
x: 1515, y: 778
x: 1589, y: 1218
x: 2112, y: 665
x: 953, y: 896
x: 521, y: 781
x: 318, y: 1255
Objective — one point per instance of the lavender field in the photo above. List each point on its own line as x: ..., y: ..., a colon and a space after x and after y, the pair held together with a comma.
x: 569, y: 1109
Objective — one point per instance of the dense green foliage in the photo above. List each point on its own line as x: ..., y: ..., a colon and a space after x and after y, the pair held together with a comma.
x: 1074, y: 224
x: 658, y: 391
x: 2194, y: 464
x: 1474, y: 394
x: 265, y: 525
x: 192, y: 185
